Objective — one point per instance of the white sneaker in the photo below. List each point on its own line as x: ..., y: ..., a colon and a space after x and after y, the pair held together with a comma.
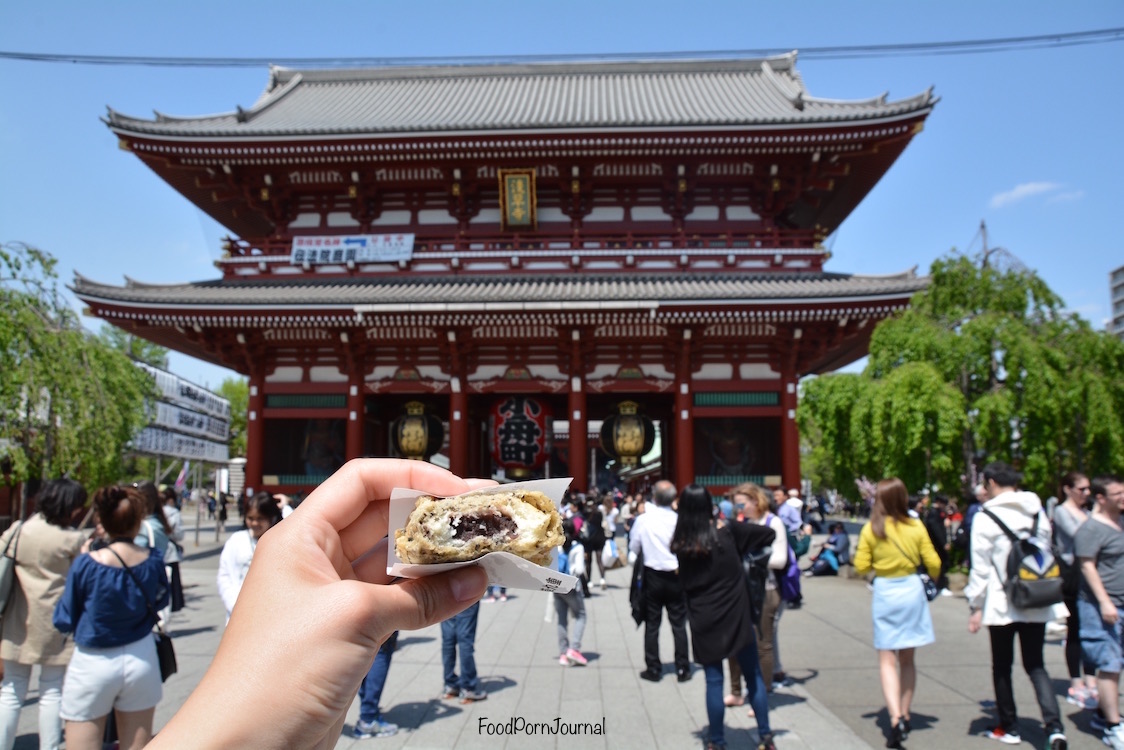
x: 603, y: 584
x: 1007, y: 738
x: 1114, y: 736
x: 946, y: 592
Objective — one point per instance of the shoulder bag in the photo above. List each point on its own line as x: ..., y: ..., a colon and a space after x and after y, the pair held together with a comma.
x: 8, y: 567
x: 165, y: 652
x: 638, y: 592
x: 931, y: 589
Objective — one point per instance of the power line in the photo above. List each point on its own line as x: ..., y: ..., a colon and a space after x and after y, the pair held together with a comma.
x: 908, y: 49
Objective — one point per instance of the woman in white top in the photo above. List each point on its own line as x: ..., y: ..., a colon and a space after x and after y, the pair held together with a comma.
x: 1068, y: 517
x: 609, y: 514
x: 173, y: 555
x: 262, y: 513
x: 753, y: 502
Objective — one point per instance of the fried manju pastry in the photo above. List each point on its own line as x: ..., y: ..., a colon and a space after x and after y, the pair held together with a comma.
x: 465, y: 527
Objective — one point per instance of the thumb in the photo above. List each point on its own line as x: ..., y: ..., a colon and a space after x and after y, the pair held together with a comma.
x: 419, y: 602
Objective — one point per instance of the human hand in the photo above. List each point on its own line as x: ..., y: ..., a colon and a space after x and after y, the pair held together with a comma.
x: 1109, y: 613
x: 974, y: 621
x: 308, y: 621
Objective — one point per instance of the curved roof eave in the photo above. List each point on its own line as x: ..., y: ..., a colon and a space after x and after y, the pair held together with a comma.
x: 480, y: 293
x: 121, y: 129
x: 612, y: 96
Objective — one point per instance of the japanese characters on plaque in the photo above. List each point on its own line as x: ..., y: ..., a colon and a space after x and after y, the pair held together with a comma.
x: 517, y: 199
x: 353, y: 248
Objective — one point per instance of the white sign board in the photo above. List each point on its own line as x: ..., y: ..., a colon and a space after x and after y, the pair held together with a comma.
x: 164, y: 442
x: 179, y: 391
x: 356, y: 248
x: 192, y: 422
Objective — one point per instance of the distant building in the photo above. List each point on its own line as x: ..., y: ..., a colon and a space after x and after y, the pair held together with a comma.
x: 1116, y: 281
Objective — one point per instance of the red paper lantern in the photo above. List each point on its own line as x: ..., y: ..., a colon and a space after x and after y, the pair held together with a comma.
x: 520, y: 435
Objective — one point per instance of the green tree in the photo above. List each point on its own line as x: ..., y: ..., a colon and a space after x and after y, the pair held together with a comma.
x: 1008, y: 375
x: 824, y: 417
x: 237, y: 392
x: 69, y: 403
x: 134, y: 347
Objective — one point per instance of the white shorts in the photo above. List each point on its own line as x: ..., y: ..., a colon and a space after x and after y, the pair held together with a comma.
x: 126, y: 678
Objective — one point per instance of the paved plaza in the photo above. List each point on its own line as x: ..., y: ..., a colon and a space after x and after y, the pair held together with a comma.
x: 835, y: 701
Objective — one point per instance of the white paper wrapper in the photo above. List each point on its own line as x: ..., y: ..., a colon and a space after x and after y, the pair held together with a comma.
x: 503, y: 568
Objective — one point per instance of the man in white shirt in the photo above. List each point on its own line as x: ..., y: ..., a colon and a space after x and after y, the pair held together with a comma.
x: 989, y: 607
x: 651, y: 533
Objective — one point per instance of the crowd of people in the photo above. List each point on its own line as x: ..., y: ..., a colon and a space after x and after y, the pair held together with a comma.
x: 1028, y: 567
x: 723, y: 569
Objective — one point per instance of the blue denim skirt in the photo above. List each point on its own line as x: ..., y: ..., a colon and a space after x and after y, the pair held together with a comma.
x: 901, y: 614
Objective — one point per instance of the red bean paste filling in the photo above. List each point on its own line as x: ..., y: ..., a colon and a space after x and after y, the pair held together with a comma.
x: 490, y: 523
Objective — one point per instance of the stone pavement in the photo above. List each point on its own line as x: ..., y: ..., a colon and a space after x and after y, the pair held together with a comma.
x: 834, y: 702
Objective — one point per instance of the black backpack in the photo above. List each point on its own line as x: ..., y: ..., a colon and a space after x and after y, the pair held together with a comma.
x: 1034, y: 575
x: 756, y: 566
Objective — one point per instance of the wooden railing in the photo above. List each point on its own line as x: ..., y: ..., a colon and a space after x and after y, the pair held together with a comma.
x: 609, y: 252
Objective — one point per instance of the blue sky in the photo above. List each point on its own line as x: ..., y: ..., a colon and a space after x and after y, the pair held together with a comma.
x: 1028, y: 141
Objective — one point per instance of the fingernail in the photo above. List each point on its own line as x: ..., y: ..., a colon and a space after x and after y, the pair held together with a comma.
x: 467, y: 585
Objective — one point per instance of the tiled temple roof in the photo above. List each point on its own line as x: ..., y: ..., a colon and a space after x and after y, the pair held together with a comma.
x: 530, y: 96
x: 448, y: 293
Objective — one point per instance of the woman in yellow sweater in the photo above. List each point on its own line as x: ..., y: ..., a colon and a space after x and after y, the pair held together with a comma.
x: 893, y: 545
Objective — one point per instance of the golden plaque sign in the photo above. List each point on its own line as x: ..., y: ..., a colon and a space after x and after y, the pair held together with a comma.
x: 517, y: 199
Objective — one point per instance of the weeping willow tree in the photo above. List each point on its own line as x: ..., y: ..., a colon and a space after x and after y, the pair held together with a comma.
x: 985, y: 365
x: 69, y: 401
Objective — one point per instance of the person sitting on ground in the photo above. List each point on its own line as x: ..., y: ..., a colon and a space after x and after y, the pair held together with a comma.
x: 835, y: 552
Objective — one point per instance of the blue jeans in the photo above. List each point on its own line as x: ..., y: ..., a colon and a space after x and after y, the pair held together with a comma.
x: 370, y: 690
x: 460, y: 631
x: 755, y: 690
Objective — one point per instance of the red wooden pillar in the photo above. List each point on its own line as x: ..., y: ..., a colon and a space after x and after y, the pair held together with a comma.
x: 255, y: 432
x: 355, y: 415
x: 458, y: 428
x: 579, y: 437
x: 682, y: 421
x: 790, y: 437
x: 579, y: 420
